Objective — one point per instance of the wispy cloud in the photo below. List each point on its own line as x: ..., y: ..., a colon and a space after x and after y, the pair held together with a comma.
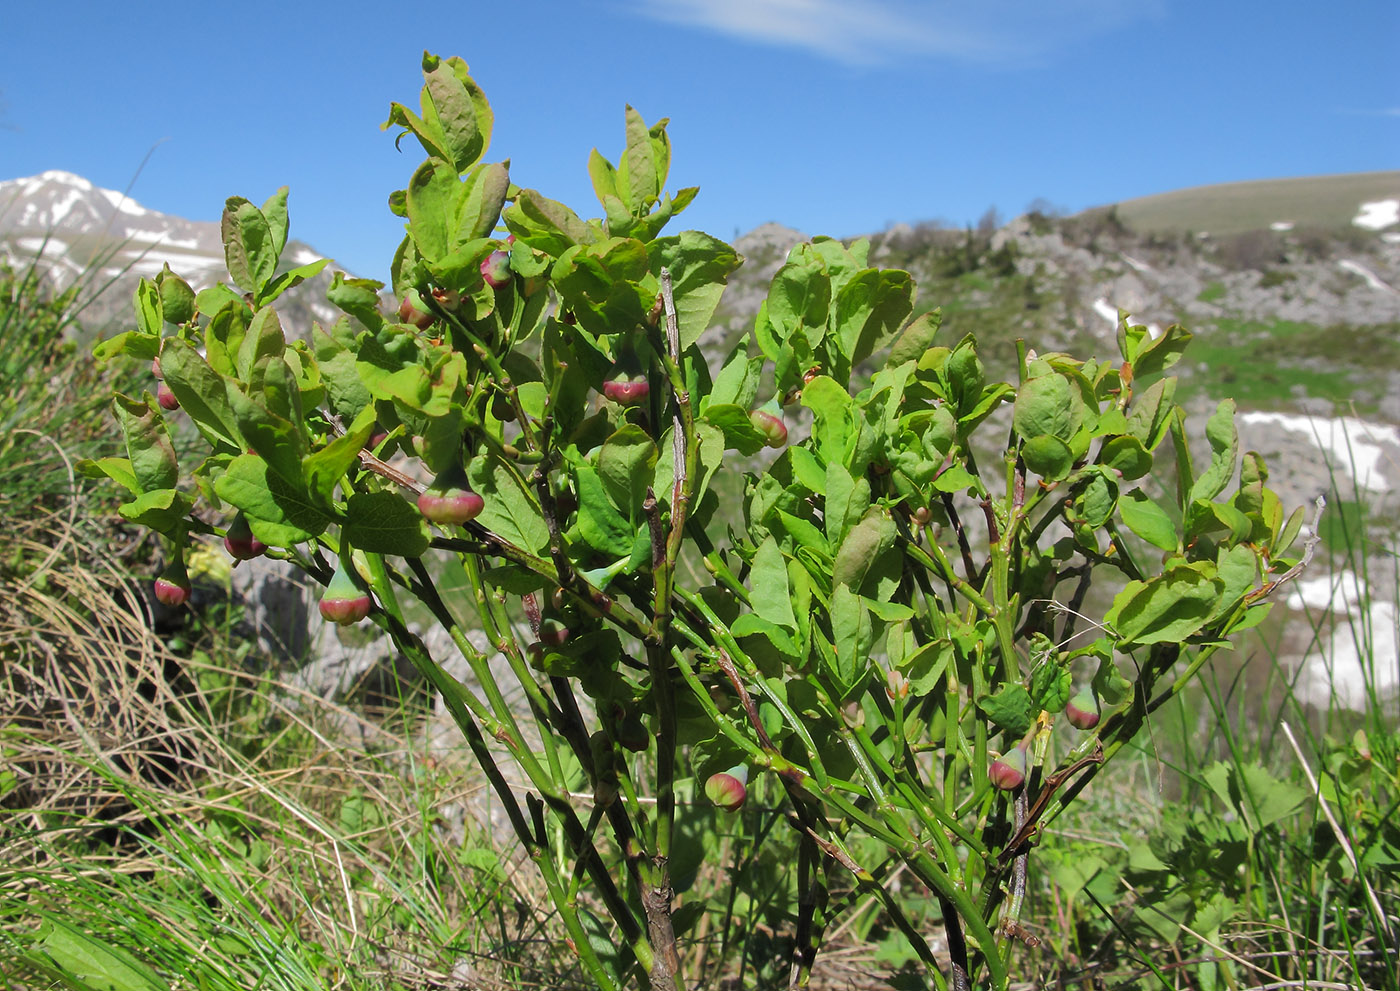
x: 877, y: 31
x: 1373, y: 111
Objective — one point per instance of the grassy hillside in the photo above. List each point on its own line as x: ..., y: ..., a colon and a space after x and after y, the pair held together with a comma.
x: 1326, y: 202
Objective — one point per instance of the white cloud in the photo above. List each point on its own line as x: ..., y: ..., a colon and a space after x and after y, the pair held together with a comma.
x: 874, y: 31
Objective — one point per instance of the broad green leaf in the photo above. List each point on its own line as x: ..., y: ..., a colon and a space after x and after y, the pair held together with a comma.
x: 1151, y: 412
x: 833, y: 428
x: 737, y: 382
x: 1148, y: 520
x: 546, y: 224
x: 160, y: 509
x: 250, y: 248
x: 1011, y: 708
x: 600, y: 525
x: 925, y: 667
x: 768, y: 580
x: 700, y: 266
x: 148, y: 308
x: 1127, y: 456
x: 866, y: 541
x: 277, y: 440
x: 1238, y: 570
x: 916, y: 339
x: 1161, y: 353
x: 626, y: 465
x: 739, y: 433
x: 274, y: 211
x: 637, y: 179
x: 854, y: 636
x: 263, y: 339
x: 509, y: 512
x: 1097, y: 499
x: 1224, y: 448
x: 203, y: 392
x: 1048, y: 404
x: 385, y: 523
x: 357, y: 297
x: 138, y: 344
x: 279, y: 513
x: 291, y: 279
x: 750, y: 624
x: 1047, y: 456
x: 847, y: 498
x: 348, y: 395
x: 455, y: 111
x: 148, y: 443
x: 799, y: 296
x: 869, y: 310
x: 326, y: 467
x: 93, y: 963
x: 117, y: 469
x: 1254, y: 793
x: 1165, y: 609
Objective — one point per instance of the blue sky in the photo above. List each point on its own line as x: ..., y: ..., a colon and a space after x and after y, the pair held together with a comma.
x: 832, y: 116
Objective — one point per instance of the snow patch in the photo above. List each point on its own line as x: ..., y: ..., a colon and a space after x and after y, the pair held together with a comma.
x: 1372, y: 280
x: 1140, y: 266
x: 1392, y: 237
x: 1109, y: 312
x: 1281, y: 225
x: 305, y: 256
x: 124, y: 203
x: 65, y: 178
x: 1378, y: 214
x: 1361, y: 648
x: 1350, y: 444
x: 164, y: 239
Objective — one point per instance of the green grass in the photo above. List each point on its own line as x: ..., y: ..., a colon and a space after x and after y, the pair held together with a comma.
x: 1320, y: 202
x: 1212, y: 292
x: 1271, y: 364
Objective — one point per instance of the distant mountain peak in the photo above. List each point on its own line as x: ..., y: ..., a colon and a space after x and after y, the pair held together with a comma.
x: 79, y: 232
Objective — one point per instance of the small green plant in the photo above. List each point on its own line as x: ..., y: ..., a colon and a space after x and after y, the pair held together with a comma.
x: 879, y: 642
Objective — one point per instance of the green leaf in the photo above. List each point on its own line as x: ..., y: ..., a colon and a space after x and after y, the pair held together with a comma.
x: 250, y: 248
x: 509, y: 512
x: 326, y: 467
x: 280, y: 514
x: 263, y: 339
x: 160, y: 509
x: 847, y: 499
x: 866, y: 541
x: 626, y: 465
x: 1047, y: 456
x: 770, y: 595
x: 136, y: 343
x: 1011, y: 708
x: 700, y: 266
x: 1148, y: 520
x: 833, y: 428
x: 117, y: 469
x: 147, y: 443
x: 385, y: 523
x: 1097, y: 499
x: 148, y: 308
x: 916, y: 339
x: 357, y: 297
x: 455, y: 111
x: 1254, y: 793
x: 1224, y: 448
x: 1052, y: 684
x: 854, y: 636
x: 870, y: 309
x: 739, y: 432
x: 1048, y: 404
x: 1165, y: 609
x: 1161, y: 353
x: 637, y: 182
x: 92, y: 963
x: 276, y: 439
x: 1127, y: 456
x: 203, y: 392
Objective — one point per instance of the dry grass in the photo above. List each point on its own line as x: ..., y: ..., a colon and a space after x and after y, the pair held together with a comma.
x: 226, y: 805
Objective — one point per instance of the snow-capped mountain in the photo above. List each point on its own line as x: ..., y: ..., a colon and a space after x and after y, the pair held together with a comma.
x: 104, y: 241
